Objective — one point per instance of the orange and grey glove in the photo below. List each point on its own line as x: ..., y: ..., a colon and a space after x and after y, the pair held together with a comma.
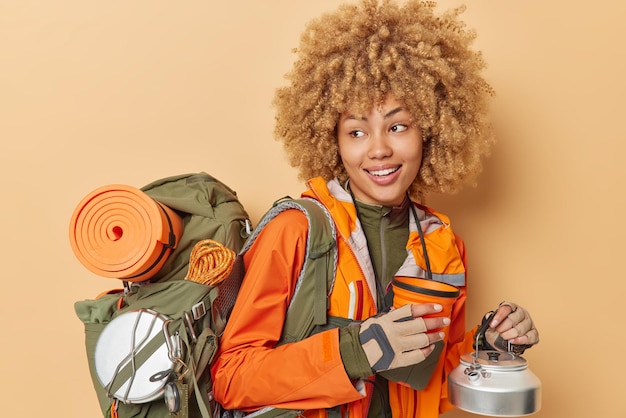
x: 394, y: 339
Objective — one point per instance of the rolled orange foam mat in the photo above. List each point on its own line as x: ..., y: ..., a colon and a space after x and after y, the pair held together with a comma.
x: 119, y: 231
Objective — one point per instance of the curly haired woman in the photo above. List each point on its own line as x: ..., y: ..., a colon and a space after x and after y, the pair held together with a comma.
x: 385, y: 104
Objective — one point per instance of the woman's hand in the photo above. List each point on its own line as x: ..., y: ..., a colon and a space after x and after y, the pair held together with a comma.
x: 511, y: 324
x: 401, y: 337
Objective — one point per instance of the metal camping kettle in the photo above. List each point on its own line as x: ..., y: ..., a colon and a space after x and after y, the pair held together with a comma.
x: 494, y: 383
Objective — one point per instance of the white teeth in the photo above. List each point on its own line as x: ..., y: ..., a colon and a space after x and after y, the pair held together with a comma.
x: 383, y: 172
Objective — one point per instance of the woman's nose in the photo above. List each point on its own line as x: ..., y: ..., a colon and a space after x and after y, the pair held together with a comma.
x: 379, y: 147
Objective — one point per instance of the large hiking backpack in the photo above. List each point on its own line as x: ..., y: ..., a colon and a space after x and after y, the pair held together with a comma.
x: 164, y: 332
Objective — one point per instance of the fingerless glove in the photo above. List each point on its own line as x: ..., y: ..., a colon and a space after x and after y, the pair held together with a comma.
x: 393, y: 339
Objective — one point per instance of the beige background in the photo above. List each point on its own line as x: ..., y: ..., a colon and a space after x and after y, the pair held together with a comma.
x: 100, y: 92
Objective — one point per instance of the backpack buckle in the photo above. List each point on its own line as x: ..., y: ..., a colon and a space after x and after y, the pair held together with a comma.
x: 198, y: 310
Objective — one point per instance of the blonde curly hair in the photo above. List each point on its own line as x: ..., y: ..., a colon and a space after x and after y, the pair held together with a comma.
x: 354, y: 57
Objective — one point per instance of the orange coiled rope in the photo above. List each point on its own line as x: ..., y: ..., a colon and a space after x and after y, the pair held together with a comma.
x: 210, y: 262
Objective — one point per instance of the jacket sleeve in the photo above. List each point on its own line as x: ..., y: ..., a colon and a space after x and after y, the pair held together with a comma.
x: 250, y: 371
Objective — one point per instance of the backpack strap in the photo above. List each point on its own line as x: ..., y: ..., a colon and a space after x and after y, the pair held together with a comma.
x: 307, y: 311
x: 308, y: 307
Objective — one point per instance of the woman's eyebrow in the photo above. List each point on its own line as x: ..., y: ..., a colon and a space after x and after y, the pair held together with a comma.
x: 355, y: 117
x: 393, y: 112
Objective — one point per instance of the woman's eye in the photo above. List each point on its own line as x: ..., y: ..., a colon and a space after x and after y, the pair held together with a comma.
x: 357, y: 133
x: 399, y: 127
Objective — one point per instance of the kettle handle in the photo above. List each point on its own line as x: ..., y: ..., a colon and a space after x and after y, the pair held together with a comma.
x: 481, y: 331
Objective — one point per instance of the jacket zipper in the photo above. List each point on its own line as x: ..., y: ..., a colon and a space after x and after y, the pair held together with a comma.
x: 384, y: 221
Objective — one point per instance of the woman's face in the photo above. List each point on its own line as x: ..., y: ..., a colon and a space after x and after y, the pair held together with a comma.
x: 381, y: 152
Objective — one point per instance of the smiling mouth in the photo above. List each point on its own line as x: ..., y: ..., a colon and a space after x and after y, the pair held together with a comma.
x: 385, y: 172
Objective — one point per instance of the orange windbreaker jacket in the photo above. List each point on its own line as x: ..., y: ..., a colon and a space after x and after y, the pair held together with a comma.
x: 251, y: 372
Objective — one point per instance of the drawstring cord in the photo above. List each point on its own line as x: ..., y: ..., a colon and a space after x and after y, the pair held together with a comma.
x: 429, y: 273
